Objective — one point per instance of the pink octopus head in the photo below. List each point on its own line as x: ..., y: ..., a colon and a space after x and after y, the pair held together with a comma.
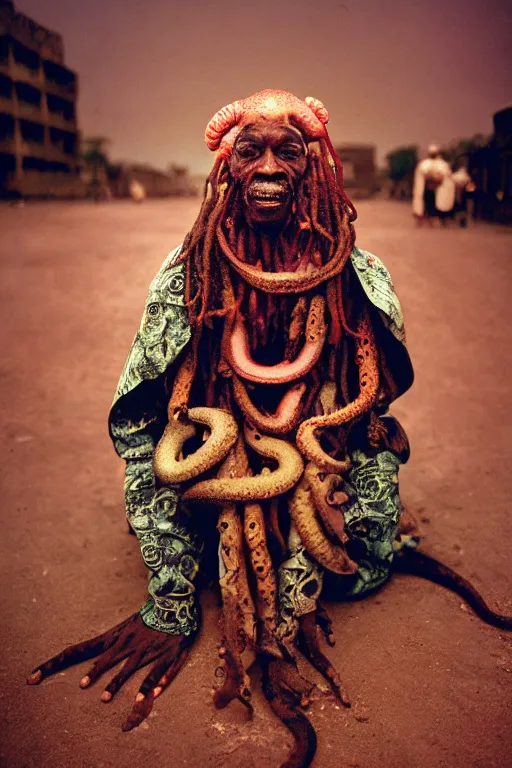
x: 309, y: 116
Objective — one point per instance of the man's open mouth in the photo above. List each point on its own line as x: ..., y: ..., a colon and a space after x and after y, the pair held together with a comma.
x: 269, y: 194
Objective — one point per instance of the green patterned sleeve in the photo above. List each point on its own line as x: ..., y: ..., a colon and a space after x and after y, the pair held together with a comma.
x: 137, y: 418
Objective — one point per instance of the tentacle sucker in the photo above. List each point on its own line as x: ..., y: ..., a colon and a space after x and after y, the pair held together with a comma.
x: 236, y: 683
x: 224, y: 431
x: 247, y: 368
x: 239, y: 621
x: 266, y: 585
x: 232, y: 545
x: 262, y: 486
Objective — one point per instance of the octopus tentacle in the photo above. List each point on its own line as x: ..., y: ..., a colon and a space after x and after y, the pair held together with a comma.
x: 297, y: 325
x: 236, y: 684
x: 322, y: 491
x: 412, y: 561
x: 223, y: 434
x: 273, y: 524
x: 245, y: 366
x: 335, y: 327
x: 302, y: 511
x: 327, y: 397
x: 324, y: 622
x: 283, y: 420
x: 262, y: 486
x: 183, y: 381
x: 368, y: 363
x: 235, y: 578
x: 261, y: 562
x: 239, y: 620
x: 286, y: 691
x: 308, y: 642
x: 286, y: 282
x: 236, y: 465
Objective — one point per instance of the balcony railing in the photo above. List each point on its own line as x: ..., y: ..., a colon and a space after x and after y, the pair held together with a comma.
x: 6, y: 105
x: 58, y: 120
x: 30, y: 111
x: 33, y: 149
x: 52, y: 152
x: 60, y: 89
x: 24, y: 74
x: 8, y: 145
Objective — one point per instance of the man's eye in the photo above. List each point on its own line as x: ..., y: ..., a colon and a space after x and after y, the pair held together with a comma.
x: 290, y: 153
x: 247, y: 150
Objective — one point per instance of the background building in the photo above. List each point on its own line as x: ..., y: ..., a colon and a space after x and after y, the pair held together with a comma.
x: 154, y: 183
x: 491, y: 170
x: 358, y: 168
x: 39, y: 140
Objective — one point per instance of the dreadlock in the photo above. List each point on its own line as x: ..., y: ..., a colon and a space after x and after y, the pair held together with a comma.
x: 320, y: 233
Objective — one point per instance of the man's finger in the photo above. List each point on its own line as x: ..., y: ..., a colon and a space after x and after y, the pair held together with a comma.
x: 141, y: 709
x: 119, y: 651
x: 160, y: 677
x: 139, y: 659
x: 130, y: 666
x: 168, y: 666
x: 74, y: 654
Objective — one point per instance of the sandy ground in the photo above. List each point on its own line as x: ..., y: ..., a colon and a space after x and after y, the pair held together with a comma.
x: 430, y: 683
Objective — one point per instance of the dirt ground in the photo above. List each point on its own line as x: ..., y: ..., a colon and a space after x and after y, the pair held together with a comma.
x: 430, y: 683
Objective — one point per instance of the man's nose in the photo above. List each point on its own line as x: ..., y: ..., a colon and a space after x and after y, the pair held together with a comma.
x: 269, y: 165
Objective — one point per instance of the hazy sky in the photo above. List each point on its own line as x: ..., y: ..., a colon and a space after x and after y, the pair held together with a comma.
x: 390, y: 72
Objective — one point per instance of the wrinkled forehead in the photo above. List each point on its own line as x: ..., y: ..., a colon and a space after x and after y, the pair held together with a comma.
x: 270, y: 130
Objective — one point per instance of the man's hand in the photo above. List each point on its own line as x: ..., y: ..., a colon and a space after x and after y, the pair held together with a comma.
x: 139, y: 645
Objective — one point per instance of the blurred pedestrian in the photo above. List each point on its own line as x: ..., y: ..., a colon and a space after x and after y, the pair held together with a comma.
x: 463, y: 185
x: 137, y: 191
x: 434, y: 189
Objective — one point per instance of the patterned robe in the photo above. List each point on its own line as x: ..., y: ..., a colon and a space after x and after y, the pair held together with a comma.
x: 164, y: 527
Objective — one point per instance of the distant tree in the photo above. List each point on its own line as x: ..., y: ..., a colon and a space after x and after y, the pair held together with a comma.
x: 173, y: 169
x: 459, y: 148
x: 401, y: 162
x: 96, y: 166
x: 94, y: 154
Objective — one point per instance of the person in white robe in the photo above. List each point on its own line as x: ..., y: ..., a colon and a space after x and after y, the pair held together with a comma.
x: 434, y: 188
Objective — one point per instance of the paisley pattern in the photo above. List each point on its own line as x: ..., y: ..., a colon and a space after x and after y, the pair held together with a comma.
x: 378, y: 286
x: 162, y: 526
x: 161, y: 523
x: 300, y: 585
x: 169, y: 551
x: 164, y: 329
x: 371, y: 517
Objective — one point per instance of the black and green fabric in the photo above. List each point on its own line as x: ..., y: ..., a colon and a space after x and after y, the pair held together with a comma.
x: 163, y: 527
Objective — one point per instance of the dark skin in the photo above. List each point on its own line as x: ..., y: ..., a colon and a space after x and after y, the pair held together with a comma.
x: 138, y: 645
x: 268, y: 161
